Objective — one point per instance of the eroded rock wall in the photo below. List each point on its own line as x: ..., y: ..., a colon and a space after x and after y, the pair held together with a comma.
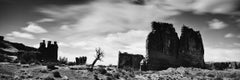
x: 129, y: 61
x: 191, y: 51
x: 162, y: 46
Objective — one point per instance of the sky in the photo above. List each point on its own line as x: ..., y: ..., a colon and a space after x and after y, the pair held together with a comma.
x: 80, y: 26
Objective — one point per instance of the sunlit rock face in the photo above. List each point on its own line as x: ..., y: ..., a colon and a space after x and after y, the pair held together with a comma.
x: 162, y: 46
x: 191, y: 51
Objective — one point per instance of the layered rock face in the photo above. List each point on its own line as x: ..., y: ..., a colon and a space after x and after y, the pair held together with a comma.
x: 129, y: 61
x: 165, y: 49
x: 191, y: 51
x: 162, y: 46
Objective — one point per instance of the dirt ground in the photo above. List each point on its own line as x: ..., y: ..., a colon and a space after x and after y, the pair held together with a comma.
x: 13, y: 71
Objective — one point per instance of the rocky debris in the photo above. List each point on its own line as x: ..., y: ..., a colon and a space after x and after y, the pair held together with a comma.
x: 81, y: 60
x: 162, y: 46
x: 191, y: 51
x: 129, y: 61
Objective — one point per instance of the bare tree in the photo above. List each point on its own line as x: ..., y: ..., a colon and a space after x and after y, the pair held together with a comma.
x: 99, y: 56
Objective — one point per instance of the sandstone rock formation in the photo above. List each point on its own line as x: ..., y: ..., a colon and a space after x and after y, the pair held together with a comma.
x: 81, y: 60
x: 191, y: 51
x: 1, y: 38
x: 162, y: 46
x: 49, y: 52
x: 129, y: 61
x: 165, y: 49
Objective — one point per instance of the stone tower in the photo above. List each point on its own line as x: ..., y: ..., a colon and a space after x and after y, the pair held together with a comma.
x: 162, y: 46
x: 1, y: 38
x: 49, y: 52
x: 191, y: 51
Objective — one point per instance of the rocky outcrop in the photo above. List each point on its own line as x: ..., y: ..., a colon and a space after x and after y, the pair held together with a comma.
x: 165, y: 49
x: 129, y: 61
x: 162, y: 46
x: 49, y: 52
x: 81, y: 60
x: 191, y: 52
x: 11, y: 51
x: 1, y: 38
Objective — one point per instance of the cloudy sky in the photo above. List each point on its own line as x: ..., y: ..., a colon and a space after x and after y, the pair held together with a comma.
x: 80, y: 26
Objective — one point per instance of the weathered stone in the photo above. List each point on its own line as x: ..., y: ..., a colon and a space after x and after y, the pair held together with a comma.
x: 162, y: 46
x: 49, y: 52
x: 129, y: 61
x: 191, y: 51
x: 81, y: 60
x: 1, y: 38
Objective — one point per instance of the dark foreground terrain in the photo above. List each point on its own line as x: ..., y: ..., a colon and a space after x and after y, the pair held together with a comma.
x: 14, y: 71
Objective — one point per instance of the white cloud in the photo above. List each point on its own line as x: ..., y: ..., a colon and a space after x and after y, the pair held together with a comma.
x: 21, y: 35
x: 34, y: 28
x: 62, y: 44
x: 65, y: 27
x: 215, y: 6
x: 203, y: 6
x: 221, y: 54
x: 103, y: 17
x: 217, y: 24
x: 45, y: 20
x: 229, y: 35
x: 236, y: 44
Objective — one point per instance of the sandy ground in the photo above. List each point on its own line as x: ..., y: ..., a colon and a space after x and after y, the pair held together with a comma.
x: 10, y: 71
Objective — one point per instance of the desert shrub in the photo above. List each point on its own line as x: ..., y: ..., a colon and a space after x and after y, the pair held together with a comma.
x: 63, y: 60
x: 51, y: 67
x: 28, y: 57
x: 102, y: 71
x: 4, y: 58
x: 211, y: 75
x: 116, y: 75
x: 43, y: 71
x: 48, y: 78
x: 218, y: 78
x: 110, y: 78
x: 96, y: 77
x: 108, y: 74
x: 56, y: 74
x: 71, y: 63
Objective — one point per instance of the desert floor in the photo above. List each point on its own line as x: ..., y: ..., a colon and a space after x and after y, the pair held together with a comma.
x: 13, y: 71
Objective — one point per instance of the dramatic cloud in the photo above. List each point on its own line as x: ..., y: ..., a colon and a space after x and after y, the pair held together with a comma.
x: 21, y: 35
x: 203, y: 6
x: 34, y: 28
x: 217, y: 24
x: 215, y: 6
x: 103, y: 17
x: 229, y: 35
x: 120, y: 25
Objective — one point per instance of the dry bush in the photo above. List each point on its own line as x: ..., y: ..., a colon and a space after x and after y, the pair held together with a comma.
x: 63, y: 60
x: 56, y: 74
